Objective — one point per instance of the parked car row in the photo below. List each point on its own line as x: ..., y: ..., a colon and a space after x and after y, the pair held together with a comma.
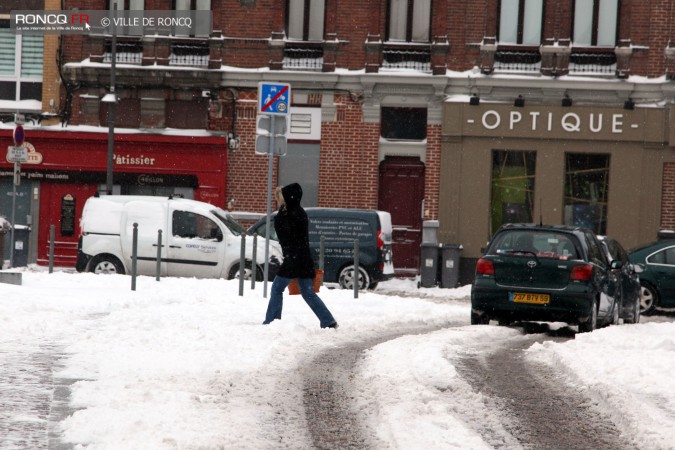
x: 204, y: 241
x: 554, y: 273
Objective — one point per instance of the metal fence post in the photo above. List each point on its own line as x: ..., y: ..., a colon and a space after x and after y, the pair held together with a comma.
x: 52, y: 237
x: 242, y: 265
x: 254, y: 264
x: 159, y: 254
x: 134, y: 256
x: 357, y: 272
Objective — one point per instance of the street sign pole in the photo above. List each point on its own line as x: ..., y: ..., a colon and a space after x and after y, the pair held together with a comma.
x: 273, y: 99
x: 270, y: 170
x: 17, y: 169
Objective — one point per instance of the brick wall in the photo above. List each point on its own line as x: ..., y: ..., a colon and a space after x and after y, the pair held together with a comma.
x: 668, y: 200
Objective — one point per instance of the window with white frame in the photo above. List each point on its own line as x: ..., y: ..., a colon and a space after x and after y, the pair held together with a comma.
x: 520, y: 21
x: 595, y: 22
x: 21, y: 58
x: 409, y: 20
x: 306, y: 20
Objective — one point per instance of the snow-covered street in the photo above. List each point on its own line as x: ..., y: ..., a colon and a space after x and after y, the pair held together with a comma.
x: 182, y: 363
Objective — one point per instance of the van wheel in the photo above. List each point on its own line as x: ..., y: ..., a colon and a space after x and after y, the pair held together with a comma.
x: 106, y: 264
x: 347, y: 278
x: 234, y: 272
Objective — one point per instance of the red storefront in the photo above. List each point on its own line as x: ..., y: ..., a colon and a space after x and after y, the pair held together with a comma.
x: 64, y: 168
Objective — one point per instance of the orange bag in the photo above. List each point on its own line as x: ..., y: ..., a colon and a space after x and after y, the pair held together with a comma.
x: 294, y: 288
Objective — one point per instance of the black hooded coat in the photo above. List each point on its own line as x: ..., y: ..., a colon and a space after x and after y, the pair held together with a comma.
x: 292, y: 227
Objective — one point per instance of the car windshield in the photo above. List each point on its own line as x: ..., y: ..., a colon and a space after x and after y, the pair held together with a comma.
x: 229, y: 222
x: 545, y: 244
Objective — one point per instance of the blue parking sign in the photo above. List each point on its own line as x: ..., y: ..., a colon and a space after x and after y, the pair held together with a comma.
x: 274, y: 98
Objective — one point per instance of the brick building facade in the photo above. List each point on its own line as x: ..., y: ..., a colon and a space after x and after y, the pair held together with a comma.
x: 372, y: 70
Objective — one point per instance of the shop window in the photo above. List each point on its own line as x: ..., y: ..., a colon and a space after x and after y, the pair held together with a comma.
x: 586, y: 189
x: 595, y: 22
x: 305, y: 19
x: 520, y: 21
x: 512, y: 187
x: 409, y: 20
x: 187, y: 114
x: 21, y: 59
x: 404, y: 123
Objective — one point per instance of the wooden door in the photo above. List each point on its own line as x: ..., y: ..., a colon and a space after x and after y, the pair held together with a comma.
x: 61, y: 205
x: 402, y: 194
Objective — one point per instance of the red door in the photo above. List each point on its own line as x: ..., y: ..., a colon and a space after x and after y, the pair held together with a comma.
x: 402, y: 194
x: 61, y: 205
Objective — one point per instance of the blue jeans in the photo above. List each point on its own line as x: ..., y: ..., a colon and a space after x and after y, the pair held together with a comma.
x: 307, y: 290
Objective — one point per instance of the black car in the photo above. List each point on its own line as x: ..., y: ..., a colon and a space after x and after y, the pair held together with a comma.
x: 544, y: 273
x: 628, y: 291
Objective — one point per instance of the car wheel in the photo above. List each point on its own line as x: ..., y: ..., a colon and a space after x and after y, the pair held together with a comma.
x: 347, y: 278
x: 234, y: 272
x: 589, y: 324
x: 106, y: 264
x: 373, y: 285
x: 479, y: 319
x: 649, y: 298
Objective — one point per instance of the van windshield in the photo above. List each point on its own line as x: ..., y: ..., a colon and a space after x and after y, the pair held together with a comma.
x: 229, y: 222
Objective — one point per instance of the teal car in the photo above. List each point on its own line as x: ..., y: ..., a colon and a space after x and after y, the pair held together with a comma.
x: 657, y: 277
x: 548, y: 273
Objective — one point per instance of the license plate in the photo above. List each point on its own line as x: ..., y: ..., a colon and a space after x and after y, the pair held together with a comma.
x: 522, y: 297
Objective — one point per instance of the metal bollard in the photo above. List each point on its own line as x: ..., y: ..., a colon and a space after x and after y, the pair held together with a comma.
x: 357, y: 272
x: 159, y: 254
x: 52, y: 237
x: 242, y: 265
x: 134, y: 256
x: 254, y: 265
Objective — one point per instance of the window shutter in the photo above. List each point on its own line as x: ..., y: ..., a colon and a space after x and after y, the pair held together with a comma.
x: 7, y: 52
x: 31, y: 56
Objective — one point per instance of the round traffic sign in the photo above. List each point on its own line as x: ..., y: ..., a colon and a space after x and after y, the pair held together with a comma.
x: 19, y: 135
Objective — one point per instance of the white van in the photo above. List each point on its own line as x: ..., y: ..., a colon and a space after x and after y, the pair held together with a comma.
x: 198, y: 239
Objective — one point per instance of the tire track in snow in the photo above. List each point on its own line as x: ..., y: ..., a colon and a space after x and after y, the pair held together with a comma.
x: 539, y: 408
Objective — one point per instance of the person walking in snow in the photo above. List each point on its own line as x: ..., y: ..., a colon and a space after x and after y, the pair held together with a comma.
x: 292, y: 227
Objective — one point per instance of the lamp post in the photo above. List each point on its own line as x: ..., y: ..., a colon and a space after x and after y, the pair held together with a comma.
x: 111, y: 99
